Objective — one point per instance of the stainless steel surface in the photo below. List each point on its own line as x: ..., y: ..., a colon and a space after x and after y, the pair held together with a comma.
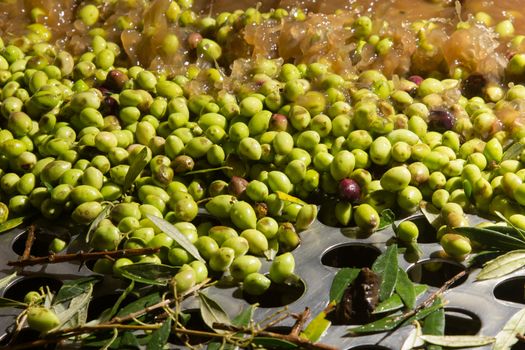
x: 473, y: 297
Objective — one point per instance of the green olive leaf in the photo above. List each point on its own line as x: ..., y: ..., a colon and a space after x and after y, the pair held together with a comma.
x: 159, y: 338
x: 507, y: 336
x: 139, y: 163
x: 406, y: 289
x: 72, y: 312
x: 511, y: 230
x: 413, y: 339
x: 73, y: 288
x: 241, y: 320
x: 207, y: 170
x: 341, y: 280
x: 273, y: 343
x: 386, y: 266
x: 140, y: 304
x: 458, y: 341
x: 110, y: 312
x: 94, y: 224
x: 434, y: 324
x: 128, y: 340
x: 7, y: 279
x: 149, y: 273
x: 395, y: 302
x: 491, y: 238
x: 467, y: 187
x: 431, y: 213
x: 513, y: 151
x: 174, y: 233
x: 6, y: 302
x: 212, y: 312
x: 386, y: 219
x: 316, y: 328
x: 12, y: 223
x: 502, y: 265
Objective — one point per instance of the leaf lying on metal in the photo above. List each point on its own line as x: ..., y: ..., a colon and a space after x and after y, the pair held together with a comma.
x: 316, y: 328
x: 6, y: 302
x: 387, y: 218
x: 174, y: 233
x: 507, y: 336
x: 431, y: 213
x: 413, y: 339
x: 394, y: 302
x: 434, y: 324
x: 159, y: 338
x: 273, y: 343
x: 491, y: 238
x: 148, y: 273
x: 458, y: 341
x: 503, y: 265
x: 212, y: 312
x: 12, y: 223
x: 406, y: 289
x: 341, y: 280
x: 7, y: 279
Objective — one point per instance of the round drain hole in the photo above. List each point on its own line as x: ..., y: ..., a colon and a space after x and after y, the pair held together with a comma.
x: 351, y: 255
x: 277, y: 295
x: 427, y: 232
x: 461, y: 322
x: 19, y: 288
x: 435, y: 272
x: 43, y: 238
x: 511, y: 290
x: 195, y: 322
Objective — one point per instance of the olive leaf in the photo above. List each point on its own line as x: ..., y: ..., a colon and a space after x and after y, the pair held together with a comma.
x: 6, y: 302
x: 212, y: 312
x: 434, y: 324
x: 431, y: 213
x: 12, y: 223
x: 491, y: 238
x: 512, y: 229
x: 386, y: 265
x: 4, y: 281
x: 467, y: 188
x: 386, y: 219
x: 135, y: 168
x: 207, y: 170
x: 341, y: 280
x: 503, y: 265
x: 317, y: 327
x: 128, y: 340
x: 72, y: 311
x: 241, y: 320
x: 149, y: 273
x: 110, y: 312
x: 405, y: 288
x: 413, y: 339
x: 394, y: 302
x: 513, y: 151
x: 159, y: 338
x: 273, y: 343
x: 174, y: 233
x: 458, y: 341
x: 73, y: 288
x: 140, y: 304
x: 507, y: 336
x: 94, y: 224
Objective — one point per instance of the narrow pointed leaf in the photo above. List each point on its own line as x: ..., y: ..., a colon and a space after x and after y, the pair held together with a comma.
x: 491, y: 238
x: 7, y: 279
x: 458, y: 341
x: 513, y: 151
x: 503, y: 265
x: 73, y: 313
x: 73, y: 288
x: 467, y: 187
x: 244, y: 317
x: 387, y: 218
x: 507, y: 336
x: 406, y: 289
x: 128, y: 340
x: 395, y: 302
x: 289, y: 198
x: 212, y: 312
x: 109, y: 313
x: 207, y: 170
x: 139, y: 163
x: 413, y: 340
x: 12, y: 223
x: 386, y: 267
x: 341, y: 280
x: 159, y: 338
x: 174, y: 233
x: 434, y: 324
x: 140, y: 304
x: 518, y: 232
x: 94, y: 224
x: 273, y: 343
x: 6, y: 302
x: 506, y: 230
x: 149, y: 273
x: 431, y: 213
x: 317, y: 327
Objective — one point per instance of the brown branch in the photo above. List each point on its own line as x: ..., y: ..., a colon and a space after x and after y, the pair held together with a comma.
x: 81, y: 256
x: 29, y: 242
x: 521, y: 337
x: 302, y: 342
x: 300, y: 321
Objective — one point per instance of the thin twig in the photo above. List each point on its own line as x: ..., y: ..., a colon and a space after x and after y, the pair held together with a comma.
x: 300, y: 321
x: 81, y: 256
x: 521, y: 337
x: 29, y: 242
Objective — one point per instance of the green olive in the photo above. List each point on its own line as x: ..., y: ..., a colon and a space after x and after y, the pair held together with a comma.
x: 256, y: 284
x: 42, y: 319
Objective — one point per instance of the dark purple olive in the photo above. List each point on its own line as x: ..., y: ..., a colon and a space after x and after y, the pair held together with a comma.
x: 440, y: 120
x: 115, y: 80
x: 416, y: 79
x: 349, y: 190
x: 109, y: 106
x: 473, y: 85
x: 237, y: 186
x: 278, y: 122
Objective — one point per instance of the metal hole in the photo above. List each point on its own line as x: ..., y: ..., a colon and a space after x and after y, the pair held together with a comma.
x: 435, y: 272
x: 43, y: 237
x: 351, y: 255
x: 511, y: 289
x: 461, y: 322
x: 427, y: 232
x: 19, y: 288
x: 277, y: 295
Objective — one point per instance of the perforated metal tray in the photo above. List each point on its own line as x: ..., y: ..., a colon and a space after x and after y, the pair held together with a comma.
x: 474, y: 307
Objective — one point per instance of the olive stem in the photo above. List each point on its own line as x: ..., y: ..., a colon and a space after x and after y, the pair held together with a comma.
x: 300, y: 321
x: 29, y: 242
x: 81, y: 256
